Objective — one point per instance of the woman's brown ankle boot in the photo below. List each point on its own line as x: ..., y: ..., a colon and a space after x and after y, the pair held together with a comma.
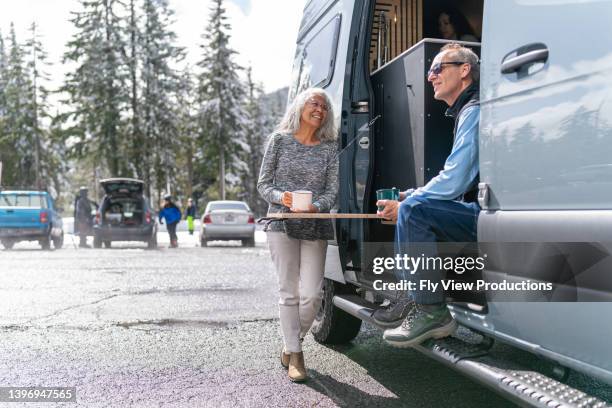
x: 297, y: 369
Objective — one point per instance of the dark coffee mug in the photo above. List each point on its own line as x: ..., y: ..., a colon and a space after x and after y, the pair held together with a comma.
x: 387, y: 194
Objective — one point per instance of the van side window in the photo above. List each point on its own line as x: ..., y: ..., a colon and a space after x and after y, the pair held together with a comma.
x: 319, y: 56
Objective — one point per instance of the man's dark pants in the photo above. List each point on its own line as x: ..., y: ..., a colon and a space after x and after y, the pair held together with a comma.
x: 422, y: 222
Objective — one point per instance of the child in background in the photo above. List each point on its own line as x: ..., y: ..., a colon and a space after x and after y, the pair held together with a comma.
x: 172, y: 214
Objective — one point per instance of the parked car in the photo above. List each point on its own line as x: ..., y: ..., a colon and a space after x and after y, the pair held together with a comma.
x: 228, y: 220
x: 30, y: 216
x: 545, y: 174
x: 124, y: 214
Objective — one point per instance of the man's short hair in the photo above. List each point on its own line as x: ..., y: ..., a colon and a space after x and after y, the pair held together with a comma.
x: 461, y: 53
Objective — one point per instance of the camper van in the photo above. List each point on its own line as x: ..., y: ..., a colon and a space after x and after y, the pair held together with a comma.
x: 545, y: 188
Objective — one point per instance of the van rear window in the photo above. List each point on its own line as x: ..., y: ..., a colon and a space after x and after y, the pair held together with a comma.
x: 22, y: 200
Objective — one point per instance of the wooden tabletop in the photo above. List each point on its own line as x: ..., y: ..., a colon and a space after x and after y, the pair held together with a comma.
x: 289, y: 215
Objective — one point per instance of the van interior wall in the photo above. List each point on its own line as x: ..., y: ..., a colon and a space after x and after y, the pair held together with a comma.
x: 397, y: 25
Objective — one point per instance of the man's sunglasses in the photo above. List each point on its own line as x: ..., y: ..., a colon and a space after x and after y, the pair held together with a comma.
x: 439, y: 66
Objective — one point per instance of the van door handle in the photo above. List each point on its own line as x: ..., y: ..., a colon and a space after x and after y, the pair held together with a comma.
x: 523, y: 57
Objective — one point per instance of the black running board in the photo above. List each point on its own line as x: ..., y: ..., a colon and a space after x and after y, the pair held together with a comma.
x: 526, y: 388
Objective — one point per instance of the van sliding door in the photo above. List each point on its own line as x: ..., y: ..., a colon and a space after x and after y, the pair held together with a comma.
x: 546, y: 165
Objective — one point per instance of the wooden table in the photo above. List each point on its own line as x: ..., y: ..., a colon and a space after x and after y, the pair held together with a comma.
x: 324, y: 216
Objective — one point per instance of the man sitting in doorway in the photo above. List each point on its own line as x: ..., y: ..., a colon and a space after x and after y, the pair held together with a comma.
x: 438, y: 211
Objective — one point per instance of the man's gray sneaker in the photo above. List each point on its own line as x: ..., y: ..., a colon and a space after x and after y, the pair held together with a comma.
x: 420, y: 325
x: 394, y: 314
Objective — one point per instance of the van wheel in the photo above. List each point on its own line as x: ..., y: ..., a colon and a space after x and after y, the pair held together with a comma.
x: 333, y: 325
x: 152, y: 242
x: 45, y: 243
x: 8, y: 243
x: 97, y: 242
x: 107, y: 244
x: 58, y: 242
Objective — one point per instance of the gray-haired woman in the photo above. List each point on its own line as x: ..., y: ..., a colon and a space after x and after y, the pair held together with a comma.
x: 301, y: 155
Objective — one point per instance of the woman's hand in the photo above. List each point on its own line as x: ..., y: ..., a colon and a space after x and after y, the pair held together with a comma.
x: 287, y: 199
x: 311, y: 209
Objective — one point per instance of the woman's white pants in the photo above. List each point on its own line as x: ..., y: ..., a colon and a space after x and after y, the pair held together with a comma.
x: 300, y: 266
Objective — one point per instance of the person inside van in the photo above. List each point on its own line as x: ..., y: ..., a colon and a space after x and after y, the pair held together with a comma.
x: 440, y: 210
x: 452, y: 25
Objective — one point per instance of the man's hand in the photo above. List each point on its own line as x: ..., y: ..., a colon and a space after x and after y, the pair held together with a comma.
x: 287, y: 199
x: 390, y: 210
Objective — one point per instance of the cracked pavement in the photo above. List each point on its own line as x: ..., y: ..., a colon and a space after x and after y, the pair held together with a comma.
x: 193, y: 327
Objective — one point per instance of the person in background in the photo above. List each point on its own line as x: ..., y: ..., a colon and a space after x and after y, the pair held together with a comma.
x: 190, y: 215
x: 172, y: 214
x: 452, y: 25
x: 82, y: 218
x: 300, y: 155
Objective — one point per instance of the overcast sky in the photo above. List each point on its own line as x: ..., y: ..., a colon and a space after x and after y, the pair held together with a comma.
x: 263, y: 31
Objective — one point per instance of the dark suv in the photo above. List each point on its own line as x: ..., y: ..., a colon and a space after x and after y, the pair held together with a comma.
x: 124, y: 214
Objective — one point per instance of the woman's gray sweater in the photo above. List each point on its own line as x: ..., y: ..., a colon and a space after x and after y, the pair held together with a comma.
x: 289, y: 165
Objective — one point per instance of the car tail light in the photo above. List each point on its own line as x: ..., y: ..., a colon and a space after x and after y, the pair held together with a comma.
x: 251, y: 219
x: 44, y: 217
x: 148, y: 217
x: 98, y: 217
x: 207, y: 219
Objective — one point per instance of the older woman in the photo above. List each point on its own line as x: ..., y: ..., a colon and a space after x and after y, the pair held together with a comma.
x: 301, y: 155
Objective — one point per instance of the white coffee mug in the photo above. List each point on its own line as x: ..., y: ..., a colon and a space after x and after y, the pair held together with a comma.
x: 301, y: 200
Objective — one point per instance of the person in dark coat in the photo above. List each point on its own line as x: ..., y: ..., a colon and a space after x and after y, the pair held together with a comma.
x: 190, y: 215
x: 82, y: 217
x: 172, y: 214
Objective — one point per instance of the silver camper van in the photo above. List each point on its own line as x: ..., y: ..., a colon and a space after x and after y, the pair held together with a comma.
x: 545, y: 173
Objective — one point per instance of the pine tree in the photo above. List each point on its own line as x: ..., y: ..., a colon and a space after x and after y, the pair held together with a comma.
x: 160, y: 85
x: 188, y: 130
x: 255, y: 136
x: 96, y: 88
x: 220, y: 97
x: 20, y: 119
x: 6, y: 145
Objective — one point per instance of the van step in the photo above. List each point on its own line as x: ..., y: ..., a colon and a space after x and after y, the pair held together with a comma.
x: 464, y: 353
x: 356, y: 306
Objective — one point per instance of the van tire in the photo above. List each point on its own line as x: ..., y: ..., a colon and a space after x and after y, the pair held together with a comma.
x: 333, y: 325
x: 152, y: 242
x: 58, y: 242
x: 45, y: 243
x: 8, y: 243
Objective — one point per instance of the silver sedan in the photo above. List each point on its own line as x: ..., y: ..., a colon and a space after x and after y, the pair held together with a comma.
x: 228, y: 220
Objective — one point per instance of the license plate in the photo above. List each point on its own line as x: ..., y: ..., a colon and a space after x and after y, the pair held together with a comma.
x: 229, y: 219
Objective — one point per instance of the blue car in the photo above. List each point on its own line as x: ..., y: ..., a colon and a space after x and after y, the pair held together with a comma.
x: 30, y: 216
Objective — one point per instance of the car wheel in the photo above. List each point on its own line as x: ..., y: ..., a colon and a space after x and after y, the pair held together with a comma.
x: 152, y: 242
x: 8, y: 243
x: 203, y: 242
x: 333, y: 325
x: 58, y: 242
x: 248, y: 242
x: 97, y: 242
x: 107, y: 244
